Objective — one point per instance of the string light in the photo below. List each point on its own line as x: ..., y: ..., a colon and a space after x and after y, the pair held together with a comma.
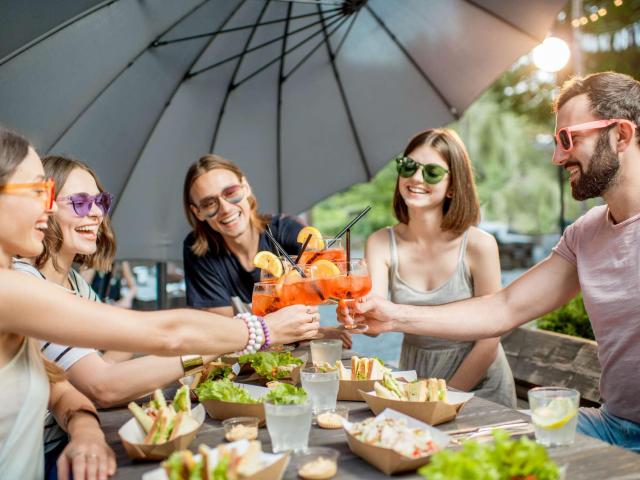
x: 594, y: 16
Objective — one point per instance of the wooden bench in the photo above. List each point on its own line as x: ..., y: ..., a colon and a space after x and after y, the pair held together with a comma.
x: 539, y: 357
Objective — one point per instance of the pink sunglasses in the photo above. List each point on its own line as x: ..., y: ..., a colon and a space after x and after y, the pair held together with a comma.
x: 565, y: 140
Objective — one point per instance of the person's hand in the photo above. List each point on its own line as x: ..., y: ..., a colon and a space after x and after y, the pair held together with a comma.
x: 293, y: 324
x: 87, y: 456
x: 338, y: 334
x: 375, y: 311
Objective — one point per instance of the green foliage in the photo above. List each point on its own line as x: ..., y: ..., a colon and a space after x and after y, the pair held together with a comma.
x: 570, y: 319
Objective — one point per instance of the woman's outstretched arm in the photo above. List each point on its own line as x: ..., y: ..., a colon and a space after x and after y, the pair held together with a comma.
x: 37, y: 309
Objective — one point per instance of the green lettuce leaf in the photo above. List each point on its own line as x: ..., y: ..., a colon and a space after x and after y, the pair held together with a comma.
x: 285, y: 394
x: 504, y: 459
x: 224, y: 390
x: 266, y: 363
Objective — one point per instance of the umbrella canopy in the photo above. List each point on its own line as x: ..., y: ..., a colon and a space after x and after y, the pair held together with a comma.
x: 308, y: 97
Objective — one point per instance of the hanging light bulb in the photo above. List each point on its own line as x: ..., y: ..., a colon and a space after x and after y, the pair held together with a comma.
x: 551, y: 55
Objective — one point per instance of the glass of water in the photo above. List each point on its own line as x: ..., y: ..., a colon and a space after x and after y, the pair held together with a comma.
x: 288, y: 425
x: 554, y: 413
x: 321, y: 387
x: 329, y: 351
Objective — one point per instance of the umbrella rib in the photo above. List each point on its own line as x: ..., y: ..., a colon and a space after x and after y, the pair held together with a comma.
x: 166, y: 105
x: 504, y: 20
x: 234, y: 29
x: 231, y: 86
x: 353, y: 20
x: 279, y: 111
x: 55, y: 30
x: 453, y: 110
x: 302, y: 42
x: 117, y: 76
x: 343, y: 96
x: 313, y: 50
x: 257, y: 47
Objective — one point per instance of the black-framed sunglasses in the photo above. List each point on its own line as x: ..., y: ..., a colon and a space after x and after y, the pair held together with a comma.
x: 432, y: 173
x: 233, y: 194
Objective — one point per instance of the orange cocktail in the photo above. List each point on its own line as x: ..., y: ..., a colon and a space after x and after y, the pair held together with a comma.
x: 267, y: 298
x: 335, y: 253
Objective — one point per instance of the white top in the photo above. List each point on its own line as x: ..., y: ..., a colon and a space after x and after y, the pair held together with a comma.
x: 24, y: 397
x: 63, y: 355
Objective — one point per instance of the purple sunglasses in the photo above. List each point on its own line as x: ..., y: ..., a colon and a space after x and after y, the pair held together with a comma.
x: 82, y: 202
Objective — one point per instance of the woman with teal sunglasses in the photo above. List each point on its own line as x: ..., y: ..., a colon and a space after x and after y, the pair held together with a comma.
x: 436, y: 255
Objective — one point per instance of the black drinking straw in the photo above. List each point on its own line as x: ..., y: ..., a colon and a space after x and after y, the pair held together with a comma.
x: 303, y: 248
x: 283, y: 252
x: 349, y: 225
x: 342, y: 232
x: 348, y: 252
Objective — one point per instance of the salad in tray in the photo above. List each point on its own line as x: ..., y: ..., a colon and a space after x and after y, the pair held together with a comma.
x: 272, y: 365
x: 227, y: 391
x: 394, y: 434
x: 503, y: 459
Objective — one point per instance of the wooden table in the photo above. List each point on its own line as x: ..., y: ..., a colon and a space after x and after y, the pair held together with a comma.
x: 587, y: 458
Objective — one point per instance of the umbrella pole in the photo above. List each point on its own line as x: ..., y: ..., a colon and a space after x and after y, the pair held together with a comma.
x: 161, y: 285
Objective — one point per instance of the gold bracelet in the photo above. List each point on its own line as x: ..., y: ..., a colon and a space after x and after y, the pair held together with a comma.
x: 191, y: 364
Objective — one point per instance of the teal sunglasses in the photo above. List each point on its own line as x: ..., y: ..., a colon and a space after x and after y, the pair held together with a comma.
x: 431, y: 172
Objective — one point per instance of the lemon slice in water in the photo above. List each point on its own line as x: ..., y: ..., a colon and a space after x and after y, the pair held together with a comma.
x: 555, y: 414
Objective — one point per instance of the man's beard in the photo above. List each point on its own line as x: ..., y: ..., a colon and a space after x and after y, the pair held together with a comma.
x: 601, y: 174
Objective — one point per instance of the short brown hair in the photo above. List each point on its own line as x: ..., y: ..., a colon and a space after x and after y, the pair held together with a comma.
x: 204, y: 235
x: 610, y: 94
x: 59, y: 168
x: 463, y: 208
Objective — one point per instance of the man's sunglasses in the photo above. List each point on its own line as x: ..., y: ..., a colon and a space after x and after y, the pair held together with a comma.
x: 83, y: 202
x: 210, y: 206
x: 565, y: 139
x: 44, y: 190
x: 431, y: 172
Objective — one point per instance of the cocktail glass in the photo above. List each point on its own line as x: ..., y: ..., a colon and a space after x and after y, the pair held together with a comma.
x: 554, y: 413
x: 334, y: 253
x: 326, y: 351
x: 288, y: 425
x: 266, y: 298
x: 321, y: 387
x: 354, y: 282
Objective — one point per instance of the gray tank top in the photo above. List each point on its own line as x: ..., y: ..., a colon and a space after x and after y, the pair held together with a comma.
x: 458, y: 287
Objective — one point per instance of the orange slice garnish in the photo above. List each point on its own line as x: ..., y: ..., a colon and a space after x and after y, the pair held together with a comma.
x: 316, y: 242
x: 324, y: 269
x: 268, y: 261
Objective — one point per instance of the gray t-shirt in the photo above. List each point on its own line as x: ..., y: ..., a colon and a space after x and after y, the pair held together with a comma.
x: 607, y: 258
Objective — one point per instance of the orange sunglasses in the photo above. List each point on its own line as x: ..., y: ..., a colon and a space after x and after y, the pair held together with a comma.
x: 45, y: 190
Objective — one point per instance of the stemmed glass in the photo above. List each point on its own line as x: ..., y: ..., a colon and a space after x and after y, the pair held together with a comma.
x: 354, y: 282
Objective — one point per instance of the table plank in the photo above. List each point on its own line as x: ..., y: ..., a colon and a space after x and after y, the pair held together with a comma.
x: 587, y: 458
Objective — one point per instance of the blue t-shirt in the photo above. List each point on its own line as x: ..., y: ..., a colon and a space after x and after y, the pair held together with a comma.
x: 216, y: 277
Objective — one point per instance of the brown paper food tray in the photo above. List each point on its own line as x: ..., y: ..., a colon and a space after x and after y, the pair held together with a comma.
x: 275, y: 471
x: 140, y: 451
x: 349, y: 390
x: 433, y: 413
x: 384, y: 459
x: 220, y: 410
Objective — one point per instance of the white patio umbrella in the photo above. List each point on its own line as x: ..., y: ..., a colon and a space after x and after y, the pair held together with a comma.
x: 308, y: 97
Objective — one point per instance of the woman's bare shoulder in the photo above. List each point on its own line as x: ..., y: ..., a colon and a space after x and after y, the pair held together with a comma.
x: 480, y: 242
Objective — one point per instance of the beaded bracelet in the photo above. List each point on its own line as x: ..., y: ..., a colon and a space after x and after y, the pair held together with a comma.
x: 256, y: 334
x: 267, y: 335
